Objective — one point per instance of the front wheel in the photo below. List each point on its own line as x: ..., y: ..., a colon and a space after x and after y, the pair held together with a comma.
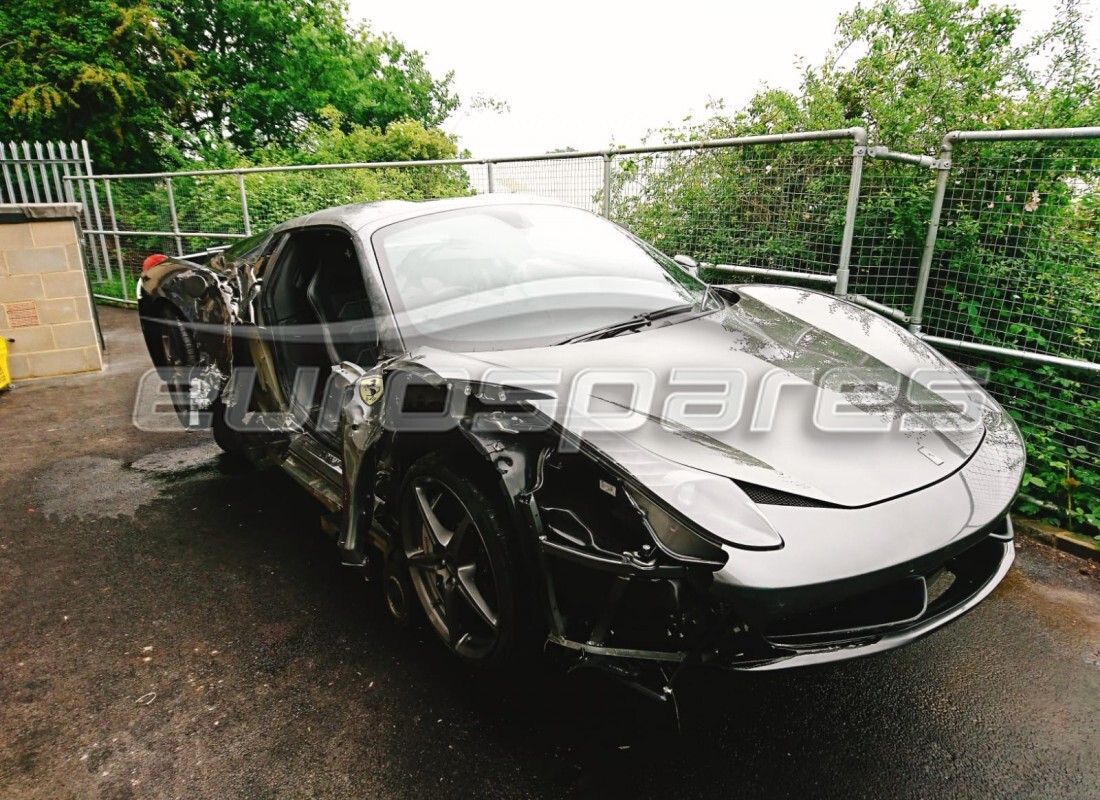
x: 464, y: 563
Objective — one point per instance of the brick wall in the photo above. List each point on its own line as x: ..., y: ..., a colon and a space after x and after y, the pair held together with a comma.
x: 45, y: 305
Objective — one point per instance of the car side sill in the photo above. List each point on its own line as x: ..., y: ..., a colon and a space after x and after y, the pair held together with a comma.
x: 313, y: 473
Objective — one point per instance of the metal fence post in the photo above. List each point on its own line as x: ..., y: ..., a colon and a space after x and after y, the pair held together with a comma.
x: 606, y: 186
x: 44, y: 180
x: 943, y: 167
x: 51, y: 151
x: 118, y: 242
x: 23, y: 196
x: 27, y: 161
x: 95, y: 203
x: 244, y: 205
x: 175, y: 219
x: 11, y: 198
x: 859, y: 151
x: 70, y: 193
x: 489, y: 176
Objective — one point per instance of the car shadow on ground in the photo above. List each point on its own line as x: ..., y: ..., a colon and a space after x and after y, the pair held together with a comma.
x: 581, y: 730
x: 276, y: 672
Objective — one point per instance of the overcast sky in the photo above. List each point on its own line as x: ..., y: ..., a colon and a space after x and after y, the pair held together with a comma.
x: 589, y: 74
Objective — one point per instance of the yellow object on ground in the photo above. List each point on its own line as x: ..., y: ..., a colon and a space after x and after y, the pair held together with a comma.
x: 5, y: 376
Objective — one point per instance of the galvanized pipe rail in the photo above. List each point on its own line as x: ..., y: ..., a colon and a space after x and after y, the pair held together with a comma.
x: 942, y: 164
x: 859, y: 135
x: 1004, y: 352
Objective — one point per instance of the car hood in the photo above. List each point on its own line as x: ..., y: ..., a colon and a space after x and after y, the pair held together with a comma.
x: 810, y: 373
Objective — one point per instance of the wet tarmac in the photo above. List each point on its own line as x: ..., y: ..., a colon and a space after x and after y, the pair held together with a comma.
x: 174, y: 625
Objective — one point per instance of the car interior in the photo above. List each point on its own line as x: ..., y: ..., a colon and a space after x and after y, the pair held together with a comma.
x: 318, y: 310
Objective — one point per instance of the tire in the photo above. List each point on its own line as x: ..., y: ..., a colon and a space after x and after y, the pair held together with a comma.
x: 466, y: 568
x: 175, y: 355
x: 229, y: 440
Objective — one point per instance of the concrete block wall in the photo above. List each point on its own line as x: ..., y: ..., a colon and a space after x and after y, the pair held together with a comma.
x: 45, y: 304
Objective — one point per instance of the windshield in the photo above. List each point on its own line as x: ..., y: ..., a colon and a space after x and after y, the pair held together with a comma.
x: 508, y: 276
x: 246, y: 247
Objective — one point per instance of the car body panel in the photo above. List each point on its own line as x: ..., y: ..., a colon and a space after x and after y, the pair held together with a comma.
x: 923, y: 483
x: 786, y: 453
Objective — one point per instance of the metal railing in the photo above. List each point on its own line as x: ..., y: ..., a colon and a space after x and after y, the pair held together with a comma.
x: 624, y: 184
x: 963, y: 247
x: 944, y: 166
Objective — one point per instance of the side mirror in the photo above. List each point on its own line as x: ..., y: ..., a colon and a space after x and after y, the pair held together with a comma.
x: 688, y: 263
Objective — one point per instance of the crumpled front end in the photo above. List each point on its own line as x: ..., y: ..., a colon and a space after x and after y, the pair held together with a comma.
x: 843, y: 583
x: 656, y: 543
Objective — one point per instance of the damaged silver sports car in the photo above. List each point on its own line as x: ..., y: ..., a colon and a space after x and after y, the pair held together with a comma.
x: 538, y: 431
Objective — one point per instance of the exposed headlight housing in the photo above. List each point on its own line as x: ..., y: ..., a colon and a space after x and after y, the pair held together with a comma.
x: 712, y: 503
x: 674, y: 536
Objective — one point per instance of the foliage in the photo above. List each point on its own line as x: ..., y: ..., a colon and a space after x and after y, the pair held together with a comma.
x: 154, y: 84
x: 266, y: 70
x: 101, y: 70
x: 1063, y: 477
x: 211, y: 203
x: 1017, y: 262
x: 107, y: 287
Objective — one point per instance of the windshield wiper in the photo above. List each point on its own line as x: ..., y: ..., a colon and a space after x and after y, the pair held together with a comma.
x: 636, y: 322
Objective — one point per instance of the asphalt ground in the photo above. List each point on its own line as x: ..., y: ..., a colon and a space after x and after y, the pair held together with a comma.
x: 172, y: 625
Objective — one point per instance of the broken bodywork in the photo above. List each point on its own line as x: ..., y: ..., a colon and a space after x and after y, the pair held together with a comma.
x: 642, y: 536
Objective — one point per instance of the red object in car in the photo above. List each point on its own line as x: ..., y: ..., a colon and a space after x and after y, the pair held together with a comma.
x: 152, y: 261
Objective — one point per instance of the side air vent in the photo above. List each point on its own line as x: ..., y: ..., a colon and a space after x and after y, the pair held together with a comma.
x: 766, y: 496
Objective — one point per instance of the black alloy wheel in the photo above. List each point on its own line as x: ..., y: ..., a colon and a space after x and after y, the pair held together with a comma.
x: 463, y: 563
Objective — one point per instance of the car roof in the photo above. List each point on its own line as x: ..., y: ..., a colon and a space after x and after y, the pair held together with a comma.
x: 358, y: 216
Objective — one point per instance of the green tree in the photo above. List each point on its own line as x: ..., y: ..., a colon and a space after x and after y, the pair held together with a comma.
x: 266, y: 70
x: 154, y: 83
x: 910, y: 70
x: 101, y: 70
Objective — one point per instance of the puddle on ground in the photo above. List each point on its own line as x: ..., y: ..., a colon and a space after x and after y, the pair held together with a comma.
x: 89, y: 486
x: 180, y: 460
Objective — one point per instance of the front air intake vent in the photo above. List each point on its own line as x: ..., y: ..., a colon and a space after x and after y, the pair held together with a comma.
x: 766, y: 496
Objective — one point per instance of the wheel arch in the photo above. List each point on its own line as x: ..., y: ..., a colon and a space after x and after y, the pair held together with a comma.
x: 462, y: 457
x: 505, y: 470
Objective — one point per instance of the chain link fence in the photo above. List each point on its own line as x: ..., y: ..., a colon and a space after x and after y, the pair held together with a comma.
x: 577, y: 181
x: 1016, y: 267
x: 989, y: 250
x: 771, y: 206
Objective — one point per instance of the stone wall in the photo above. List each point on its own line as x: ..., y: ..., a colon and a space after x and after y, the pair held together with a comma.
x: 45, y: 303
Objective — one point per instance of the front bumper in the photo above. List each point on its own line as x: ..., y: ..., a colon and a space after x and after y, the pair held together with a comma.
x: 848, y: 582
x: 684, y: 619
x: 976, y: 572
